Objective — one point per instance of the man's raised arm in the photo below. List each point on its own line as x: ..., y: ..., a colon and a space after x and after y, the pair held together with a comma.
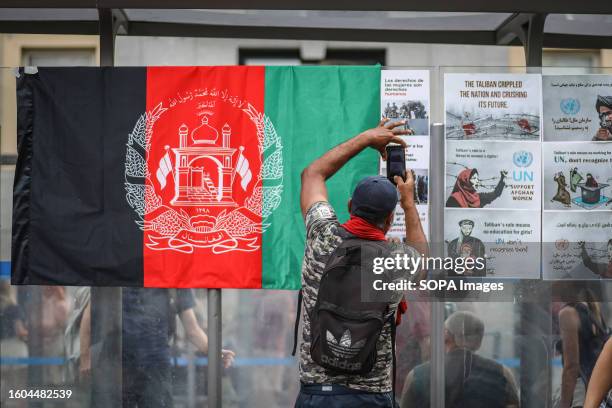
x: 315, y: 175
x: 415, y: 236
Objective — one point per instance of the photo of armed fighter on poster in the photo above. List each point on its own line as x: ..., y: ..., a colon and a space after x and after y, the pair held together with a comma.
x: 500, y: 175
x: 492, y: 106
x: 576, y: 246
x: 577, y: 107
x: 507, y: 241
x: 577, y: 176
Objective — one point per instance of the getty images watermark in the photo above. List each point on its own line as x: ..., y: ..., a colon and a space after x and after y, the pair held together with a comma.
x: 395, y: 273
x: 404, y: 271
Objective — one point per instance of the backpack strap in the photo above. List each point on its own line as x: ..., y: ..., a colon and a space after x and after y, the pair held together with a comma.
x: 296, y: 327
x: 394, y: 369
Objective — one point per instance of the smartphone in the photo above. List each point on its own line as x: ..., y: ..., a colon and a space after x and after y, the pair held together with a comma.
x: 396, y: 162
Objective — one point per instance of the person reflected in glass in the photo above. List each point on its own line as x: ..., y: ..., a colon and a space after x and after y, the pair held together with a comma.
x: 54, y: 317
x: 13, y: 344
x: 471, y: 380
x: 149, y: 326
x: 599, y: 393
x: 583, y: 333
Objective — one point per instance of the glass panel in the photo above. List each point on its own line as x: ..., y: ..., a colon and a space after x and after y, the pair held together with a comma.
x: 329, y: 19
x: 258, y: 325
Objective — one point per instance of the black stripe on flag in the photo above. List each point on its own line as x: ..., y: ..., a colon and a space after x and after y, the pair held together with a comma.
x: 72, y: 224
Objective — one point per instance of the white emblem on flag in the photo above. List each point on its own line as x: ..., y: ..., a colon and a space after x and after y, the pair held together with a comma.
x: 165, y: 168
x: 203, y: 213
x: 242, y: 168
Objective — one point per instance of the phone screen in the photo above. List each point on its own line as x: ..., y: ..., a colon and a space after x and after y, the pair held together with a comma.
x: 396, y: 162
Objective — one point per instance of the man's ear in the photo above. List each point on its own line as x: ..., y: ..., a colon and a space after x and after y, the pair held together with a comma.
x: 389, y: 220
x: 449, y: 339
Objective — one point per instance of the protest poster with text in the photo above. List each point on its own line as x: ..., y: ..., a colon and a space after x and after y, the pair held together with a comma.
x: 577, y: 245
x: 578, y: 176
x: 509, y: 241
x: 577, y: 161
x: 404, y: 96
x: 577, y: 107
x: 493, y: 166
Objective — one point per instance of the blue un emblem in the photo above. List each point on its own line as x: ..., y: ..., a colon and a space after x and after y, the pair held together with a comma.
x: 570, y: 106
x: 522, y: 158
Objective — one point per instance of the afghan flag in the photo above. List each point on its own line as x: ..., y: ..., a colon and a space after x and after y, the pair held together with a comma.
x: 178, y: 176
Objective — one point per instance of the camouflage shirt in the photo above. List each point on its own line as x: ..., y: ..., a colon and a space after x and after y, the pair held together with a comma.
x: 322, y: 238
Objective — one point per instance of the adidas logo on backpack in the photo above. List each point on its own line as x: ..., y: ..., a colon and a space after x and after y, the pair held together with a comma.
x: 344, y: 348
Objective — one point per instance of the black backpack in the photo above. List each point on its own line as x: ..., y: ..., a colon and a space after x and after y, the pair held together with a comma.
x: 345, y: 330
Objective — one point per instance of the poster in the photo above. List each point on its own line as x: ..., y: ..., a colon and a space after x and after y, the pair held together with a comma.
x: 405, y: 96
x: 493, y: 171
x: 509, y: 241
x: 492, y: 106
x: 492, y: 175
x: 577, y: 175
x: 577, y: 107
x: 577, y: 245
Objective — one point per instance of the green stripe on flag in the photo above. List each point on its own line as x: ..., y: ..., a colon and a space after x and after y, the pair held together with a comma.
x: 314, y: 109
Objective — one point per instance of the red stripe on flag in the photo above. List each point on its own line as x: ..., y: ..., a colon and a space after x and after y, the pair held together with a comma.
x: 203, y: 229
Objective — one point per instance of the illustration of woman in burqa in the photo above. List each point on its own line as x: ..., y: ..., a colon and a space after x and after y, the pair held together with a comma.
x: 465, y: 194
x: 602, y: 269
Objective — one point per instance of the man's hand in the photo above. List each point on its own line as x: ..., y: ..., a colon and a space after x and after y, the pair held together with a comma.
x: 386, y: 132
x: 227, y: 356
x: 406, y: 190
x: 602, y: 135
x: 314, y: 176
x: 84, y: 367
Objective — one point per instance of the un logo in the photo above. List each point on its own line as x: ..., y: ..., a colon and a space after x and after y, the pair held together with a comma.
x: 570, y: 106
x: 522, y: 158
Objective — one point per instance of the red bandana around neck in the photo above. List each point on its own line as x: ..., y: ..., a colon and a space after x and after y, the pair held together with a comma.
x: 363, y: 229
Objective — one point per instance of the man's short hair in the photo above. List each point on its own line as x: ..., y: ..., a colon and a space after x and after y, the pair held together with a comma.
x: 466, y: 328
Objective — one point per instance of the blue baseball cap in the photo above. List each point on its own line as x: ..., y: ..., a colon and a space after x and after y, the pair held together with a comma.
x: 374, y: 197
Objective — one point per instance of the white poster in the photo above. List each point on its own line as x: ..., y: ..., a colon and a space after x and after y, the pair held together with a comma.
x: 577, y: 245
x: 405, y: 96
x: 492, y: 106
x: 509, y: 241
x: 577, y: 107
x: 495, y: 175
x: 577, y: 176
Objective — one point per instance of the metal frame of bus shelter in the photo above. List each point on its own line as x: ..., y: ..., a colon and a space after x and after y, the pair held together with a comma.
x: 524, y: 28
